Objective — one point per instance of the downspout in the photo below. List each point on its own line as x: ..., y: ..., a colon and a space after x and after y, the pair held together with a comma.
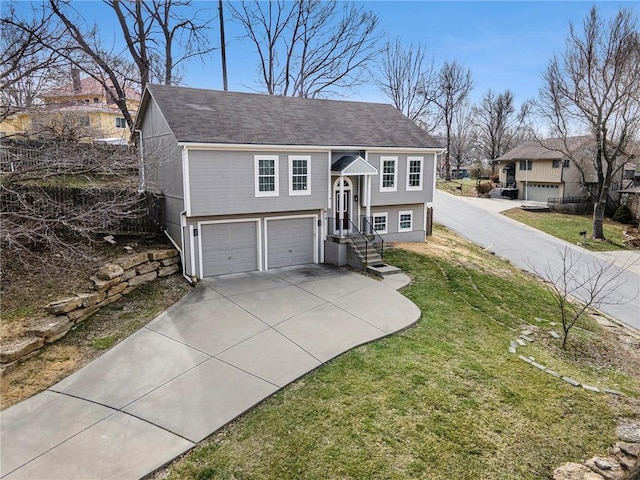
x: 184, y: 268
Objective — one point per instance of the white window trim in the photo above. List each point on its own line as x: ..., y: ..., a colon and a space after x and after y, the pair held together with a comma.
x: 405, y: 212
x: 386, y: 221
x: 395, y: 174
x: 256, y: 165
x: 413, y: 159
x: 293, y: 192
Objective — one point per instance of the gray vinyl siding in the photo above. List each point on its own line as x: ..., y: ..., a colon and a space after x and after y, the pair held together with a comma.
x: 393, y: 213
x: 401, y: 195
x: 223, y: 183
x: 162, y: 155
x: 173, y: 207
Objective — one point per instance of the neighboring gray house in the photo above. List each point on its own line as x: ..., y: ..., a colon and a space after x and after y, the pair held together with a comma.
x: 253, y: 182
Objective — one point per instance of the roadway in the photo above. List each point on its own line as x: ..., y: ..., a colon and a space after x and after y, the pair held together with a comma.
x: 479, y: 220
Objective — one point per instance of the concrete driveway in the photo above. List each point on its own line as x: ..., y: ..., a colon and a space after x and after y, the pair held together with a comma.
x: 229, y: 344
x: 478, y: 220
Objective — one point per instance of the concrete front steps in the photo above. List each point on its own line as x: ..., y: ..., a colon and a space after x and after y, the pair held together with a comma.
x: 372, y: 263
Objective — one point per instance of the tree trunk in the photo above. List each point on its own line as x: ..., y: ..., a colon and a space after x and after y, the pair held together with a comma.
x: 598, y: 214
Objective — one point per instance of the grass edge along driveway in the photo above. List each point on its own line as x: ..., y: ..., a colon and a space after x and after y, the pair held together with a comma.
x: 440, y: 400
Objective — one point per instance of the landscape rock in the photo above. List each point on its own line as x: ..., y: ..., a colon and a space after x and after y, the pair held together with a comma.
x: 20, y: 348
x: 632, y: 449
x: 575, y: 471
x: 162, y: 254
x: 131, y: 261
x: 91, y: 299
x: 109, y: 271
x: 140, y: 279
x: 50, y: 326
x: 82, y: 312
x: 129, y: 274
x: 106, y: 302
x: 607, y: 467
x: 147, y: 267
x: 64, y: 305
x: 116, y: 289
x: 104, y: 285
x: 628, y: 430
x: 170, y: 261
x: 168, y: 270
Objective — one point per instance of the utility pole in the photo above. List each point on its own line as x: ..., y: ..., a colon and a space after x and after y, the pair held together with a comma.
x: 222, y: 46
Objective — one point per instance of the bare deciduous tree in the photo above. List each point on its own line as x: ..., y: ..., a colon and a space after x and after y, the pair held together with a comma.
x: 407, y: 78
x: 593, y: 88
x: 309, y: 48
x: 454, y: 84
x: 577, y: 289
x: 36, y: 214
x: 27, y: 66
x: 463, y: 137
x: 499, y: 123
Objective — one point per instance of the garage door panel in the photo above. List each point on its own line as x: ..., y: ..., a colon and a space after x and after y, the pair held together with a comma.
x: 229, y: 248
x: 290, y: 242
x: 541, y: 193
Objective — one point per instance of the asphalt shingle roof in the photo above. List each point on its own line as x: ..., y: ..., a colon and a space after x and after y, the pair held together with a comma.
x: 213, y: 116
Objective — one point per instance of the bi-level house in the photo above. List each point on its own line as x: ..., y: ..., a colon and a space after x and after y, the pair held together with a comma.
x: 254, y: 182
x: 539, y: 170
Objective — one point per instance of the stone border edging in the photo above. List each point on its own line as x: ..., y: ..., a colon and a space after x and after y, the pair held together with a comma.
x: 110, y: 283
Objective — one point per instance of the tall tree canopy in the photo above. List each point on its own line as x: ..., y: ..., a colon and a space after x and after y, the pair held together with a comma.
x: 309, y: 48
x: 593, y: 89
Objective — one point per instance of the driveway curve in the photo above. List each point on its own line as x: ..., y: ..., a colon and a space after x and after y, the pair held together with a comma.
x: 229, y: 344
x: 479, y: 220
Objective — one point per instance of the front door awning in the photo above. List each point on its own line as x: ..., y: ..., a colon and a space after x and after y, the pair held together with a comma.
x: 353, y: 165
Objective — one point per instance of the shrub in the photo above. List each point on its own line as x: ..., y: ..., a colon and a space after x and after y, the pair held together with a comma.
x: 483, y: 188
x: 622, y: 215
x: 494, y: 178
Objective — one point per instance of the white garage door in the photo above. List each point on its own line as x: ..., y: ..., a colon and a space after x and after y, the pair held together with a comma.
x: 541, y: 193
x: 290, y: 242
x: 229, y: 248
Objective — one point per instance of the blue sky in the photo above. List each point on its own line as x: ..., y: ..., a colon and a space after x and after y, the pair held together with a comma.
x: 506, y: 44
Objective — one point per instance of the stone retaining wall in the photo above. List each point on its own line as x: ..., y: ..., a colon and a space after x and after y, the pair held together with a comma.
x: 110, y: 283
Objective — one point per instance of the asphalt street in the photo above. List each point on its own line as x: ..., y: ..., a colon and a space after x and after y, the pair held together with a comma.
x: 479, y: 221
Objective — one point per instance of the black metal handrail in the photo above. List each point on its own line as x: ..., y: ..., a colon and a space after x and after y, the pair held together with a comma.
x: 369, y: 230
x: 357, y: 233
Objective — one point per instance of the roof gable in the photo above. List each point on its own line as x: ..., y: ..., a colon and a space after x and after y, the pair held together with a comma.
x: 217, y: 117
x: 353, y: 165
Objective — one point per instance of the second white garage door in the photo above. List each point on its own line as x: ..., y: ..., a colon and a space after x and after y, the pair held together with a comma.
x: 290, y: 241
x: 229, y: 248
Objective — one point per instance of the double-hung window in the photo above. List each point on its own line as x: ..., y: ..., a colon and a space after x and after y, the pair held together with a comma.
x: 526, y: 164
x: 405, y: 221
x: 299, y: 175
x: 414, y: 173
x: 389, y: 174
x: 380, y: 222
x: 266, y: 175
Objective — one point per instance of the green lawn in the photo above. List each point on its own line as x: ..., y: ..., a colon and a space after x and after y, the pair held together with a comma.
x: 568, y: 227
x: 440, y: 400
x: 468, y: 187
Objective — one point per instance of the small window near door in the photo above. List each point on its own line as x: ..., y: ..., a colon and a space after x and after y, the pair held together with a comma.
x: 405, y: 221
x: 380, y: 222
x: 299, y: 175
x: 414, y: 173
x: 555, y: 164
